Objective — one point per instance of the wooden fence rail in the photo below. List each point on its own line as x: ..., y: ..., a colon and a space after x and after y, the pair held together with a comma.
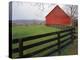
x: 21, y: 48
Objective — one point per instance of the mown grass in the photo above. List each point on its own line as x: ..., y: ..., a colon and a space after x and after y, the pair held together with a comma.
x: 31, y: 30
x: 20, y: 31
x: 25, y: 31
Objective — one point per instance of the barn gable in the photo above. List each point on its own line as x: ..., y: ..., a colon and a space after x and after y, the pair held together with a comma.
x: 58, y: 16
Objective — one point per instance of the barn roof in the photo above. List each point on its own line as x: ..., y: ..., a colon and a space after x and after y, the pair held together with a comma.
x: 57, y: 8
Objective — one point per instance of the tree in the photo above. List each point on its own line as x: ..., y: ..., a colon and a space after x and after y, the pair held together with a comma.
x: 72, y: 10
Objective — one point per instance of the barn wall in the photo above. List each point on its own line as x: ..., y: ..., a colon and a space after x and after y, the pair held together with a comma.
x: 58, y: 16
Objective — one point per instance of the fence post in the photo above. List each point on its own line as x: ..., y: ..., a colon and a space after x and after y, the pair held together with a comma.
x: 59, y: 43
x: 72, y: 35
x: 20, y: 48
x: 75, y: 33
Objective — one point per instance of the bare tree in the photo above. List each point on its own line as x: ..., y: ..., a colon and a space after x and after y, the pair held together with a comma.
x: 72, y: 10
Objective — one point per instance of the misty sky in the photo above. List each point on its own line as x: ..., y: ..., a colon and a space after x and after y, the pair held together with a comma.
x: 31, y: 11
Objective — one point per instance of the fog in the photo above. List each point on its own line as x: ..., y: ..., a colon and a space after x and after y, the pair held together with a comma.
x: 32, y: 10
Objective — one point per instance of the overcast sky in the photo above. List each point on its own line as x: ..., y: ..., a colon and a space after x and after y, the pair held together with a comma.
x: 31, y: 11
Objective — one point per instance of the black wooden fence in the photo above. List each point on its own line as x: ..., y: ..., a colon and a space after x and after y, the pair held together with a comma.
x: 21, y: 48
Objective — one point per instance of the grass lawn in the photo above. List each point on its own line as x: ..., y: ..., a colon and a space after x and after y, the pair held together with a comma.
x: 31, y: 30
x: 24, y: 31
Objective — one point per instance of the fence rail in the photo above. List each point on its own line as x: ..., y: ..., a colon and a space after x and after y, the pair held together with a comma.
x: 59, y: 43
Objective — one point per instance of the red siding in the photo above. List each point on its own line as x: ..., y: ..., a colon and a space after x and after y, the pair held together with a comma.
x: 58, y: 16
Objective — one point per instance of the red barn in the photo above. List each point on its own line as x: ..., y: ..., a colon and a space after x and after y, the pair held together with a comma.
x: 57, y: 17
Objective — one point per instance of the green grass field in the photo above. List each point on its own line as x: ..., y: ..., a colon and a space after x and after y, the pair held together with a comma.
x: 24, y: 31
x: 20, y: 31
